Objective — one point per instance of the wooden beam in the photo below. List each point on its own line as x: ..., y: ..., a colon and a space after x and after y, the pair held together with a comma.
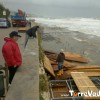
x: 75, y: 57
x: 47, y: 66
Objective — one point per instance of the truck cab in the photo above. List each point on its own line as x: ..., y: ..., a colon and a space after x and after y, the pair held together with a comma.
x: 18, y: 21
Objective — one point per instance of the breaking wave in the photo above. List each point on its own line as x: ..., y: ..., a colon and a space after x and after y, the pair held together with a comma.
x: 83, y: 25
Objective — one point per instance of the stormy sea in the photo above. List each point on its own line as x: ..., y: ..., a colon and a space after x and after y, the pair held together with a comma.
x: 78, y: 35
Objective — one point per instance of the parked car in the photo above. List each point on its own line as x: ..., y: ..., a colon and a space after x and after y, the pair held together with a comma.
x: 4, y: 23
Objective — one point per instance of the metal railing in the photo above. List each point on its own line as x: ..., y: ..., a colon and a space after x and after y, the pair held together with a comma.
x: 69, y: 84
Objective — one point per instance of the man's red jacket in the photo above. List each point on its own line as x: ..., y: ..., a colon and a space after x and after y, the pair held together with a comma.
x: 11, y: 53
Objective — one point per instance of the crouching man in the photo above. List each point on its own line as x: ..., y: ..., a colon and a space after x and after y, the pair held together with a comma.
x: 31, y: 33
x: 11, y: 54
x: 60, y: 60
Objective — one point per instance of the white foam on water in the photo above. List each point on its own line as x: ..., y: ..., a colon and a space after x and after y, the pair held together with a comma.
x: 80, y: 40
x: 84, y: 25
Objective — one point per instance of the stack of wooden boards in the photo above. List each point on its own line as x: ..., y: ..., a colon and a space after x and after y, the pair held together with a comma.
x: 80, y: 71
x: 73, y: 63
x: 85, y: 85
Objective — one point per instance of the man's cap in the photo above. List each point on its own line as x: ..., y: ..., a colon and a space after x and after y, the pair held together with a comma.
x: 14, y: 33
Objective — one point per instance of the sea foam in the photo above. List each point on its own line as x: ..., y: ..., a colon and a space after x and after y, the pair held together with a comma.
x: 84, y: 25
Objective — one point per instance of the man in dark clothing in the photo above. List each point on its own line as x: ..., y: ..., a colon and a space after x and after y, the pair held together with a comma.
x: 11, y: 54
x: 31, y: 33
x: 60, y: 60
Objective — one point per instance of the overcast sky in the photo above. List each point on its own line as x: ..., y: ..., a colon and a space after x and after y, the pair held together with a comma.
x: 57, y: 8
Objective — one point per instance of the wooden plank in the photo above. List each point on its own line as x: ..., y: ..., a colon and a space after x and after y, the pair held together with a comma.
x: 65, y: 64
x: 69, y: 65
x: 75, y: 57
x: 22, y: 29
x: 53, y: 62
x: 85, y: 67
x: 55, y: 68
x: 47, y: 66
x: 87, y: 72
x: 92, y: 73
x: 83, y: 83
x: 82, y: 80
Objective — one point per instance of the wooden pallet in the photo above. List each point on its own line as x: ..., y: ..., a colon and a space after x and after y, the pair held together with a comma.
x: 84, y: 83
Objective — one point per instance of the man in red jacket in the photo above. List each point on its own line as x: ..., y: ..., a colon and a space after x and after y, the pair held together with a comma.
x: 11, y: 54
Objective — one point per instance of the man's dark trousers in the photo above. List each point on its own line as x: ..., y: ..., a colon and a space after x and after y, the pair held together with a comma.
x: 12, y: 71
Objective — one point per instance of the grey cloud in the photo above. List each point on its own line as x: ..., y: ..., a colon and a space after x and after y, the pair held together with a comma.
x: 74, y: 8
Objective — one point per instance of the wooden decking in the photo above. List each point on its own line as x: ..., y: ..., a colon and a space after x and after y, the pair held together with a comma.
x: 84, y: 84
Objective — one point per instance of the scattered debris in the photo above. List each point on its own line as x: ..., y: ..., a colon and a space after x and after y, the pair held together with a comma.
x: 76, y: 70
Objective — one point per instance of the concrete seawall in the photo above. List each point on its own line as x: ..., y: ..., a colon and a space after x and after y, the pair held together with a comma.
x: 25, y: 85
